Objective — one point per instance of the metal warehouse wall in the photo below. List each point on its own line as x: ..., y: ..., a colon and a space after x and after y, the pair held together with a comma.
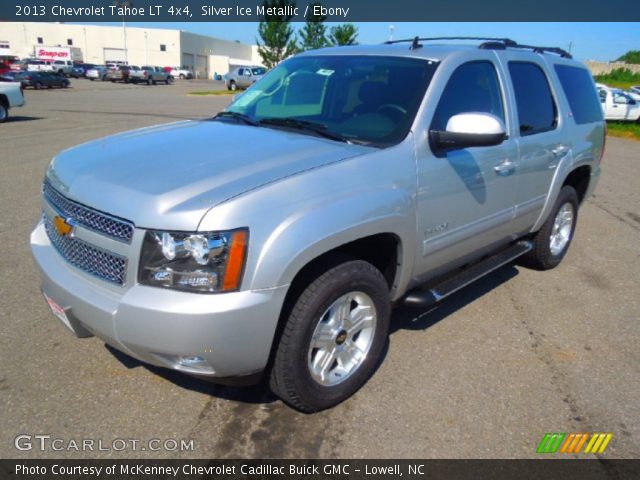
x: 145, y: 46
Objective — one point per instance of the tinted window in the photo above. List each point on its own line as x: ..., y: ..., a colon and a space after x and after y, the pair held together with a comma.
x: 473, y: 87
x: 537, y: 111
x: 578, y: 87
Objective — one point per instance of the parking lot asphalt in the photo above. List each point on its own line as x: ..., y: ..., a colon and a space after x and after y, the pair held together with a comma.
x: 484, y: 374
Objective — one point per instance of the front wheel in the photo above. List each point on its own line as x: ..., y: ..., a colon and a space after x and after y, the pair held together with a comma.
x: 552, y: 241
x: 333, y: 338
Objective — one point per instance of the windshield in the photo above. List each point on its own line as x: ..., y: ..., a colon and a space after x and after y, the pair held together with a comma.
x: 259, y: 71
x: 368, y: 99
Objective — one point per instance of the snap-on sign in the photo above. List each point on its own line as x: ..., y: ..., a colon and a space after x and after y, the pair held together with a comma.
x: 53, y: 53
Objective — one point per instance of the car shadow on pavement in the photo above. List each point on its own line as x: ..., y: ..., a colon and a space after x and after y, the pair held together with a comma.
x: 402, y: 318
x: 414, y: 318
x: 20, y: 118
x: 256, y: 394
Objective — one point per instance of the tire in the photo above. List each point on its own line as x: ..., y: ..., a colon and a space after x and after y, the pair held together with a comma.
x: 546, y: 255
x: 37, y: 86
x: 292, y: 377
x: 92, y: 79
x: 182, y: 76
x: 232, y: 86
x: 4, y: 112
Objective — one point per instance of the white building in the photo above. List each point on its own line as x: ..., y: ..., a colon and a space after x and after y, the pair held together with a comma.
x: 99, y: 44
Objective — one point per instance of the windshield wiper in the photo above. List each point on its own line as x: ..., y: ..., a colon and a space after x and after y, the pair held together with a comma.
x: 297, y: 124
x: 237, y: 116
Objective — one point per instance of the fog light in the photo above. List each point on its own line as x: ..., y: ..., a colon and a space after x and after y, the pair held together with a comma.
x: 192, y: 361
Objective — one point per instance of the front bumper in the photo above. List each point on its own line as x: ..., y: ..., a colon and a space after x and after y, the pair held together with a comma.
x: 232, y: 332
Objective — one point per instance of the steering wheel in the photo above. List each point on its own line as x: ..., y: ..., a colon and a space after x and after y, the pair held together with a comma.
x: 391, y: 106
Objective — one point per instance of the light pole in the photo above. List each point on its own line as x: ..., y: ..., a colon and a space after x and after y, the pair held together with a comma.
x: 85, y: 56
x: 146, y: 49
x: 124, y: 4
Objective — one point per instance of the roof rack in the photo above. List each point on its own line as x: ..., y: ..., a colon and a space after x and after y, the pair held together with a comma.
x: 489, y: 43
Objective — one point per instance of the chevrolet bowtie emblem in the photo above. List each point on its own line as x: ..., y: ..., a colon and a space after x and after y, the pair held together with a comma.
x: 64, y: 226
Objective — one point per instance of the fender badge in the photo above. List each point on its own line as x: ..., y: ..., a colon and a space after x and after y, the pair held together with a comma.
x: 64, y: 226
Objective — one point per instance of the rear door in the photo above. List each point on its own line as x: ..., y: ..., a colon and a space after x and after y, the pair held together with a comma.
x: 538, y: 133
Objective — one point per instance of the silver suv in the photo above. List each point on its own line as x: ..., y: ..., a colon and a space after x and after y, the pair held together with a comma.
x: 346, y: 181
x: 244, y: 77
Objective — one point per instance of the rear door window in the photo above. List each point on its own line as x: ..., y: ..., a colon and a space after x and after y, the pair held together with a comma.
x: 537, y: 111
x: 578, y: 87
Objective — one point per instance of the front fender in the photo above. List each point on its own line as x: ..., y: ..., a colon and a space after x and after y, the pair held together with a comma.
x: 313, y: 232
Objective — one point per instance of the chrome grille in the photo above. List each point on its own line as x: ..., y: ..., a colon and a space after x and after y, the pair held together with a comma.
x: 87, y: 217
x: 102, y: 264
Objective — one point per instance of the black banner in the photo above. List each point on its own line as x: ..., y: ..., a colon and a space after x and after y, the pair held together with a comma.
x: 583, y: 469
x: 335, y: 10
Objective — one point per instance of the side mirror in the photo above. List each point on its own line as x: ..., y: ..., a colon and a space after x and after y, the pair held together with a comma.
x: 469, y: 130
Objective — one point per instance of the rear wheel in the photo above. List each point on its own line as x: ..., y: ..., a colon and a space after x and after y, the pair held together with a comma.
x: 232, y: 86
x: 4, y: 111
x: 37, y: 86
x: 552, y: 241
x: 182, y: 76
x: 333, y: 337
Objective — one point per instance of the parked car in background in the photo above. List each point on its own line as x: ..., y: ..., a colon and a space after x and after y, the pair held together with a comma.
x: 183, y: 73
x: 9, y: 76
x: 11, y: 96
x: 80, y: 70
x: 97, y: 72
x: 122, y: 73
x: 244, y: 77
x: 151, y: 75
x: 618, y: 105
x: 633, y: 94
x: 635, y: 88
x: 18, y: 65
x: 40, y: 80
x: 63, y: 67
x: 35, y: 65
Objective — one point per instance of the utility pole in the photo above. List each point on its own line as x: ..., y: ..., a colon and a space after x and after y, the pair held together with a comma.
x: 124, y: 4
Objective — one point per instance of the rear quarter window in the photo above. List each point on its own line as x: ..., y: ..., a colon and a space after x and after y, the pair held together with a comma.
x: 581, y: 94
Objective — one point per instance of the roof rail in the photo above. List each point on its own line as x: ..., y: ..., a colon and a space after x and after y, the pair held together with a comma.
x: 415, y: 42
x: 489, y: 43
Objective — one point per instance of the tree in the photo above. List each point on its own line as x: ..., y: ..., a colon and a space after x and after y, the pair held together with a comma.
x: 345, y: 34
x: 632, y: 56
x: 276, y: 32
x: 314, y: 33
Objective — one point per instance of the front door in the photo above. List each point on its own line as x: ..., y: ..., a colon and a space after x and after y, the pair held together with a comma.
x: 465, y: 197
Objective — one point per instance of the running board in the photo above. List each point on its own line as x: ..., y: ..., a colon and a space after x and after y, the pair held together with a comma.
x: 425, y: 297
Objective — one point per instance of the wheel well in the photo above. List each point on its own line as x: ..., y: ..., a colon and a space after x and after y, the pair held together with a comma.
x: 4, y: 101
x: 381, y: 250
x: 579, y: 180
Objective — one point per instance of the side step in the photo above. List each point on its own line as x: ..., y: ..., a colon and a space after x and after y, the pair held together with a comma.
x: 425, y: 297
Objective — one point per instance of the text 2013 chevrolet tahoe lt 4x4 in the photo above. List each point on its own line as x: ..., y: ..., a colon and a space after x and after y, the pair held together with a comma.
x: 274, y: 238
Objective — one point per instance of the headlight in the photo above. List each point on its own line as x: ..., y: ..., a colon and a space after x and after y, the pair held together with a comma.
x: 195, y: 262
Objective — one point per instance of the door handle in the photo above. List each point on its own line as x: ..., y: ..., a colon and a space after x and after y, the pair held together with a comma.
x: 559, y: 150
x: 506, y: 167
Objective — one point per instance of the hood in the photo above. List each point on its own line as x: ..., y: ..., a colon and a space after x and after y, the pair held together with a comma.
x: 168, y: 176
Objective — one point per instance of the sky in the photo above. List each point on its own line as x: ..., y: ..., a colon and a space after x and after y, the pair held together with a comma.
x: 586, y: 41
